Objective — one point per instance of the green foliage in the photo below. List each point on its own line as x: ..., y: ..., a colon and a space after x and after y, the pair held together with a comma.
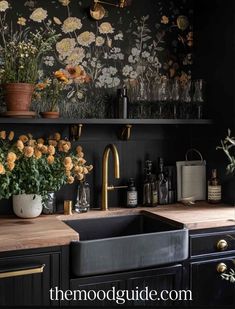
x: 227, y: 145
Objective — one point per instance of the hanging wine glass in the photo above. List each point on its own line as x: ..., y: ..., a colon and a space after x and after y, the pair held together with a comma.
x: 186, y: 100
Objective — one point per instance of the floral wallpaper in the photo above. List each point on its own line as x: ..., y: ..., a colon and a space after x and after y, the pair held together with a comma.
x: 141, y: 42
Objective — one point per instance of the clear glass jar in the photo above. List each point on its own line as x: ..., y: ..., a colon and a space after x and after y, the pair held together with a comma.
x: 83, y: 197
x: 49, y: 205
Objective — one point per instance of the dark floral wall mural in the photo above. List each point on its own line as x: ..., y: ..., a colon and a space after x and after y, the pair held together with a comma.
x: 135, y: 46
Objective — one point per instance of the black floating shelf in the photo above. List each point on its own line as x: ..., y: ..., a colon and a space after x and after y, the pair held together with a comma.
x: 64, y: 121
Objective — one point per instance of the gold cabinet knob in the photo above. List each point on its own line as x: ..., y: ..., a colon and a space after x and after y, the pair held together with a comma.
x: 221, y: 268
x: 222, y: 245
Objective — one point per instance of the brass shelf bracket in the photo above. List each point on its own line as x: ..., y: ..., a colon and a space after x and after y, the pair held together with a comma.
x: 76, y: 132
x: 126, y: 132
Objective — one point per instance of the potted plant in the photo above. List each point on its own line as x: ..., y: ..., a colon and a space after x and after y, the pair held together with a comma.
x: 49, y: 91
x: 30, y: 169
x: 21, y: 55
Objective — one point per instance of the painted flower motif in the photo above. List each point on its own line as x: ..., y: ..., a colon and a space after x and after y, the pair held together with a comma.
x: 106, y: 28
x: 133, y: 75
x: 71, y: 24
x: 38, y: 15
x: 4, y: 5
x: 127, y: 70
x: 57, y: 21
x: 65, y: 47
x: 145, y: 54
x: 21, y: 21
x: 76, y: 57
x: 99, y: 41
x: 135, y: 51
x: 86, y: 38
x: 118, y: 37
x: 49, y: 61
x: 64, y: 2
x: 165, y: 20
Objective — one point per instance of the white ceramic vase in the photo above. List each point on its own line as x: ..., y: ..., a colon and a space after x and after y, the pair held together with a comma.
x: 27, y: 205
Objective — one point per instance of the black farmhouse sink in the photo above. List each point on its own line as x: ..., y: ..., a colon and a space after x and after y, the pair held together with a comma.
x: 120, y: 243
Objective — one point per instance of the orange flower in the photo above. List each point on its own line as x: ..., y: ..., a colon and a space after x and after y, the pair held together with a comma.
x: 37, y: 154
x: 51, y: 150
x: 20, y: 145
x: 70, y: 180
x: 52, y: 142
x: 11, y: 166
x: 23, y: 138
x: 40, y: 141
x: 57, y: 136
x: 67, y: 160
x: 44, y: 149
x: 11, y: 136
x: 3, y: 134
x: 28, y: 151
x: 165, y: 20
x: 79, y: 149
x: 61, y: 76
x: 80, y: 177
x: 2, y: 169
x: 11, y: 157
x: 41, y: 86
x: 50, y: 159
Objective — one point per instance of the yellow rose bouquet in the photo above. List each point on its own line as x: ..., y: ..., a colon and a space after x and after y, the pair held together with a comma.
x: 36, y: 166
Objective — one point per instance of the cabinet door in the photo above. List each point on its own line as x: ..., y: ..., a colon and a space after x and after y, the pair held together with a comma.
x: 165, y: 278
x: 26, y: 280
x: 208, y: 288
x: 159, y: 279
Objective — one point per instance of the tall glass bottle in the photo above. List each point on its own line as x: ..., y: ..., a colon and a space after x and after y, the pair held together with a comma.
x: 83, y: 197
x: 163, y: 184
x: 150, y: 194
x: 214, y: 188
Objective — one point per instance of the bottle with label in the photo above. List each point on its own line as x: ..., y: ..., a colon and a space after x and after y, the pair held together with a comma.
x: 150, y: 194
x: 132, y: 194
x: 122, y: 108
x: 214, y: 188
x: 163, y: 185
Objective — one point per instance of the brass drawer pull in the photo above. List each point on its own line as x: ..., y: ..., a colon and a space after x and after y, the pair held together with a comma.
x: 221, y: 268
x: 22, y: 272
x: 222, y: 245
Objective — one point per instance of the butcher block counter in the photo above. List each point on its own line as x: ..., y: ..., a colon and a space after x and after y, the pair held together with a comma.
x: 50, y: 230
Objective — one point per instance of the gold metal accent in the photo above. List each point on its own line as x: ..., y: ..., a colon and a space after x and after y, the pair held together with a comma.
x: 126, y: 132
x: 111, y: 188
x: 76, y: 132
x: 222, y: 245
x: 97, y: 11
x: 22, y: 272
x: 68, y: 206
x: 105, y: 160
x: 221, y: 268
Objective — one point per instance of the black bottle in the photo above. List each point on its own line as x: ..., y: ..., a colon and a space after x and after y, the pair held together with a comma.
x: 162, y: 184
x: 122, y: 108
x: 131, y: 194
x: 150, y: 193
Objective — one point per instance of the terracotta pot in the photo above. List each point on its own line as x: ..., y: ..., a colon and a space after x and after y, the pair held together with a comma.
x: 18, y: 96
x: 51, y: 115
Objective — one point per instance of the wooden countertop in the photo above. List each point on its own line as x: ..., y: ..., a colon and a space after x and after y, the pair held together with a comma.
x: 44, y: 231
x: 47, y: 231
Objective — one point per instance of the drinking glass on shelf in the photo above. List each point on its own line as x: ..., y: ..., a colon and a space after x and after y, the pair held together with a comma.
x: 175, y: 97
x: 164, y: 98
x: 186, y: 100
x: 198, y: 97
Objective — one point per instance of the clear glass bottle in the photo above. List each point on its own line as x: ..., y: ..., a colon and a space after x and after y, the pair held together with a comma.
x: 214, y: 188
x: 150, y: 193
x: 162, y: 184
x: 83, y: 197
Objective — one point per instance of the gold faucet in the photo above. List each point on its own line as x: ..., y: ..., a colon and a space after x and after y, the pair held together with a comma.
x: 105, y: 186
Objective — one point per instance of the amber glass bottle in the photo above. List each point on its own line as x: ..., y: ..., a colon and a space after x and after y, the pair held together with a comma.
x: 214, y: 188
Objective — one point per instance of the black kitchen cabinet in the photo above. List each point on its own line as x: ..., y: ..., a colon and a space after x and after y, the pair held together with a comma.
x: 159, y: 279
x: 26, y: 276
x: 208, y: 288
x: 212, y: 252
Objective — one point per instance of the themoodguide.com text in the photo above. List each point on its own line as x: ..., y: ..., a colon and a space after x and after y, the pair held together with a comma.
x: 120, y: 296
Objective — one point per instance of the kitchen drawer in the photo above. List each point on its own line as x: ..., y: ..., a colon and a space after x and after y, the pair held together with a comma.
x: 209, y: 243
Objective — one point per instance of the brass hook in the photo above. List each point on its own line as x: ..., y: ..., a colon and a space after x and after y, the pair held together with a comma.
x: 126, y: 132
x: 76, y: 132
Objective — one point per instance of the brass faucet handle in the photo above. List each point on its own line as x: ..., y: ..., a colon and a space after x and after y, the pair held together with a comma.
x: 111, y: 188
